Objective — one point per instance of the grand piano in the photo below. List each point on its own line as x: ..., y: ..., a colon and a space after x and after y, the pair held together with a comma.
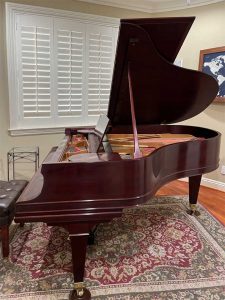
x: 92, y: 176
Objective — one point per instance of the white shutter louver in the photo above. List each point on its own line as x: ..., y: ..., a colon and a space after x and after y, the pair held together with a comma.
x: 70, y: 60
x: 60, y: 68
x: 101, y: 57
x: 35, y: 67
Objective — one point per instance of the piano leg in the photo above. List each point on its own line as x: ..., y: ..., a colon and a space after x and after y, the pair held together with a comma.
x: 79, y: 243
x: 194, y: 185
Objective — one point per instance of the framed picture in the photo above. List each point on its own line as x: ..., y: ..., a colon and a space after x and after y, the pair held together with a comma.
x: 212, y: 62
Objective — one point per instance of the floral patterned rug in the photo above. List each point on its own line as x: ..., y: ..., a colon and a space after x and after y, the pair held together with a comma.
x: 154, y: 251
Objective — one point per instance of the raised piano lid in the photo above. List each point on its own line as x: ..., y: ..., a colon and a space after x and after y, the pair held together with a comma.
x: 163, y: 93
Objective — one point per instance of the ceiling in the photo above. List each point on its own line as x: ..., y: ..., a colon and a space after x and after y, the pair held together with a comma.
x: 153, y: 6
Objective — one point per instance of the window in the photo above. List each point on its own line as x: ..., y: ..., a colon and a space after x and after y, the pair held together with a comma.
x: 60, y: 67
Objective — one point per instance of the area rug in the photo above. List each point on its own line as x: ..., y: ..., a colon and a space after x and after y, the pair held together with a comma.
x: 154, y: 251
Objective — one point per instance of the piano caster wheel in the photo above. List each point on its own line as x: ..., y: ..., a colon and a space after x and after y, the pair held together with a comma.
x: 193, y: 211
x: 80, y: 293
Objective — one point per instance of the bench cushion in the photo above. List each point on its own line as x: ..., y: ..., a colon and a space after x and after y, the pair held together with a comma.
x: 9, y: 193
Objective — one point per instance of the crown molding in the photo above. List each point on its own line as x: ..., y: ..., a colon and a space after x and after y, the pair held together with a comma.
x: 12, y: 9
x: 153, y: 6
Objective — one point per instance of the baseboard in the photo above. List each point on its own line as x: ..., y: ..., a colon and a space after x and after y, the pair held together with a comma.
x: 214, y: 184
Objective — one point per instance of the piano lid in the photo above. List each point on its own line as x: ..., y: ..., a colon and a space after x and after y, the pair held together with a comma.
x: 163, y: 93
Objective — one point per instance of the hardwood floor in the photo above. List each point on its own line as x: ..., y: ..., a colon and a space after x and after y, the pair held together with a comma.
x: 213, y: 200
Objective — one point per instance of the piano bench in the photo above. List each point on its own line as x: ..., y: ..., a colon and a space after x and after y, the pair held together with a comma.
x: 9, y: 193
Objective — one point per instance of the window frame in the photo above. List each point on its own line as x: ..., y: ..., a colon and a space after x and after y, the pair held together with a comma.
x: 12, y: 12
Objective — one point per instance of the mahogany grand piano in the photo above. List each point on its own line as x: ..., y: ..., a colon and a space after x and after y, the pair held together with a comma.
x: 80, y: 184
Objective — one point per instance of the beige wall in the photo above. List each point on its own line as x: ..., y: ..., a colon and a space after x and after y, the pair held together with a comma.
x: 207, y: 32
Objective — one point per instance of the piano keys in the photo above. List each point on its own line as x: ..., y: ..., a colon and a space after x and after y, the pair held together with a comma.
x: 90, y: 177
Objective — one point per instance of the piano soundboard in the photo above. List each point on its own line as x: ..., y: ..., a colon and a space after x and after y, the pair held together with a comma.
x: 122, y: 144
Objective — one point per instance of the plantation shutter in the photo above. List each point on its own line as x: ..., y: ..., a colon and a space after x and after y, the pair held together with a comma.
x: 85, y: 56
x: 60, y: 69
x: 34, y: 42
x: 70, y: 61
x: 101, y: 52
